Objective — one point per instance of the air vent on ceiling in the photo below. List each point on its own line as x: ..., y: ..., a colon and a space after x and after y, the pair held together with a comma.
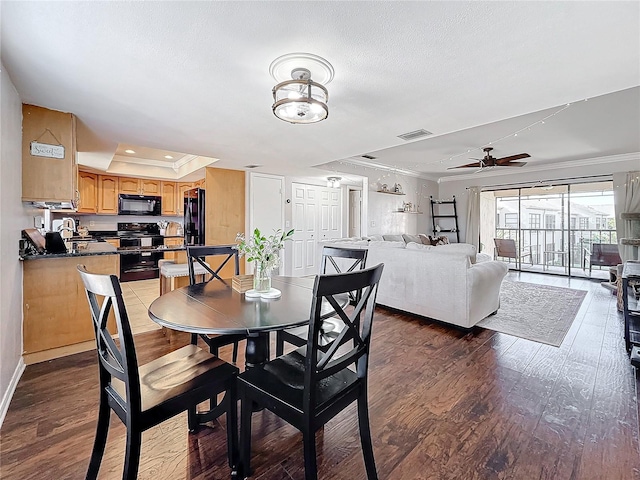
x: 368, y: 157
x: 415, y: 134
x: 252, y: 166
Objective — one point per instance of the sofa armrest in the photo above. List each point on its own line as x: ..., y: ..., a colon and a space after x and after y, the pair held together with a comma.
x: 483, y: 288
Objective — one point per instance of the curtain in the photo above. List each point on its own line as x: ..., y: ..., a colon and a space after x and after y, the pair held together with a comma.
x: 626, y: 193
x: 473, y: 218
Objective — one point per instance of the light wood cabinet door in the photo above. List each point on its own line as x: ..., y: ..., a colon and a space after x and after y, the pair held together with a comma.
x: 129, y: 186
x: 169, y: 198
x: 150, y: 187
x: 44, y: 178
x: 182, y: 187
x: 88, y: 189
x: 107, y: 194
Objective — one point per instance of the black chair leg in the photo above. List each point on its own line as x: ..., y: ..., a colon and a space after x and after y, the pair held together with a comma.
x: 100, y: 441
x: 279, y: 344
x: 246, y: 406
x: 132, y: 455
x: 232, y: 425
x: 365, y: 437
x: 310, y: 462
x: 194, y: 339
x: 234, y: 359
x: 192, y: 419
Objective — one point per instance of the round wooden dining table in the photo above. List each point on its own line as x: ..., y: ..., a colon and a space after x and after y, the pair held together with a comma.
x: 216, y: 308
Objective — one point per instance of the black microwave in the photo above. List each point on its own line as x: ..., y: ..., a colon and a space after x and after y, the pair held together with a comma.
x: 139, y: 205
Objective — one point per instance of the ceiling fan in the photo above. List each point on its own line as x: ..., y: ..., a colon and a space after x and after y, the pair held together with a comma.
x: 489, y: 161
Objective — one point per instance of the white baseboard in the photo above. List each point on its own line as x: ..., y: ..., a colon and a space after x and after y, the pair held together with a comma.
x: 8, y: 395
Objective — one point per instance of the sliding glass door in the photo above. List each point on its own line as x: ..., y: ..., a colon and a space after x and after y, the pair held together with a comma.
x: 549, y: 228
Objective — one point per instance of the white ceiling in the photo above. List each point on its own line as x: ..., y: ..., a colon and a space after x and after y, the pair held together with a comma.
x: 194, y: 77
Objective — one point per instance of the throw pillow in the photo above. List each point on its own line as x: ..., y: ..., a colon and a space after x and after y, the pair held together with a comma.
x: 393, y: 238
x: 375, y: 238
x: 441, y: 240
x: 424, y: 239
x: 419, y: 246
x: 411, y: 238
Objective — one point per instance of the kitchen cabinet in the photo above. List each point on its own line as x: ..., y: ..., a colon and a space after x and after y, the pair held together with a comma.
x: 199, y: 184
x: 139, y: 186
x: 170, y: 199
x: 88, y: 192
x: 43, y: 178
x: 183, y: 187
x: 107, y: 194
x: 57, y: 320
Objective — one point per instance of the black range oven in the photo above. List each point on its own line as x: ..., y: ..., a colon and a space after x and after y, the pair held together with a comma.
x: 136, y: 264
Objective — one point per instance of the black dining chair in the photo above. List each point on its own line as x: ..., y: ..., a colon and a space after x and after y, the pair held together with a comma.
x: 143, y: 396
x: 298, y: 336
x: 196, y: 255
x: 311, y: 385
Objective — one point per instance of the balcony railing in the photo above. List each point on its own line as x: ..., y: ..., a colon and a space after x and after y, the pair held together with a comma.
x: 568, y: 246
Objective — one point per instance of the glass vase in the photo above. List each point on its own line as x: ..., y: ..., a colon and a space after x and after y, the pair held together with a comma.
x: 261, y: 278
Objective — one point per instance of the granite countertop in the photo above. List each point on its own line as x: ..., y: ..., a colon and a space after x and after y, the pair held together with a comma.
x: 78, y: 249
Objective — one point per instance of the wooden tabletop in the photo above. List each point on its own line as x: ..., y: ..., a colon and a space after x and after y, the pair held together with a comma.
x: 216, y: 308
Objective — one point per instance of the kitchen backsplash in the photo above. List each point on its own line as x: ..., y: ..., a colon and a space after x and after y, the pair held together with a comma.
x: 110, y: 222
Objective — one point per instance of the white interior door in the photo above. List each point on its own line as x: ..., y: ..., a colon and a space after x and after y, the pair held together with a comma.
x: 329, y: 209
x: 267, y: 204
x: 305, y: 226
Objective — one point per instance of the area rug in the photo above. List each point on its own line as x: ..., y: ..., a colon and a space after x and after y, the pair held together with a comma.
x: 536, y: 312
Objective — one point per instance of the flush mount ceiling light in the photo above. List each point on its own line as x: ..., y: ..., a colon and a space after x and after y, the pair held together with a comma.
x: 333, y: 182
x: 297, y: 98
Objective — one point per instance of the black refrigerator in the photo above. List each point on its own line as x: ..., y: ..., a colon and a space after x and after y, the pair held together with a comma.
x: 194, y: 217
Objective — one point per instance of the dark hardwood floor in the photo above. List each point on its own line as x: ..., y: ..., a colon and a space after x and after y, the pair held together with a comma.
x: 444, y: 404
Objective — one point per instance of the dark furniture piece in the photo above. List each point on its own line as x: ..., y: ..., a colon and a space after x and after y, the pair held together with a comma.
x: 451, y: 216
x: 631, y: 309
x: 602, y: 254
x: 506, y: 248
x: 198, y: 254
x: 146, y: 395
x: 215, y: 308
x: 331, y: 328
x: 311, y: 385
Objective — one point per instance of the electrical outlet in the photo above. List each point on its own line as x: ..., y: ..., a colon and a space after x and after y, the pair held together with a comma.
x: 373, y: 224
x: 287, y: 224
x: 92, y: 223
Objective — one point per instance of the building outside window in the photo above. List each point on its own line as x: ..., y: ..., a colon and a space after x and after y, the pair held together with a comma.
x: 511, y: 220
x: 583, y: 223
x: 534, y: 221
x: 550, y: 222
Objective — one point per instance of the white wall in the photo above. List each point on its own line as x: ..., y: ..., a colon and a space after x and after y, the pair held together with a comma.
x: 382, y: 208
x: 585, y: 168
x: 13, y: 218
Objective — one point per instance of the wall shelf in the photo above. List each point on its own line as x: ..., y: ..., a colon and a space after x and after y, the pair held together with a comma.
x: 402, y: 211
x: 390, y: 193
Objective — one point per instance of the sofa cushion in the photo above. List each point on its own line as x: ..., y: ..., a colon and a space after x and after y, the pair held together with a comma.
x: 386, y: 244
x: 419, y: 246
x: 375, y: 238
x: 411, y: 238
x: 393, y: 238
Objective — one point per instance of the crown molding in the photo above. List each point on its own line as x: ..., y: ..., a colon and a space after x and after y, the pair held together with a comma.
x: 585, y: 162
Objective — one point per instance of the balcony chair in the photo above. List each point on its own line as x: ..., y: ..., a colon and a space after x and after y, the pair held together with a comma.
x: 141, y: 395
x: 331, y: 328
x: 506, y: 248
x: 603, y: 254
x: 311, y: 385
x: 196, y: 255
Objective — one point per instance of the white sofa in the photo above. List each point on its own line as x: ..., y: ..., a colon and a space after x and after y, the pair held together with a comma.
x: 445, y: 283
